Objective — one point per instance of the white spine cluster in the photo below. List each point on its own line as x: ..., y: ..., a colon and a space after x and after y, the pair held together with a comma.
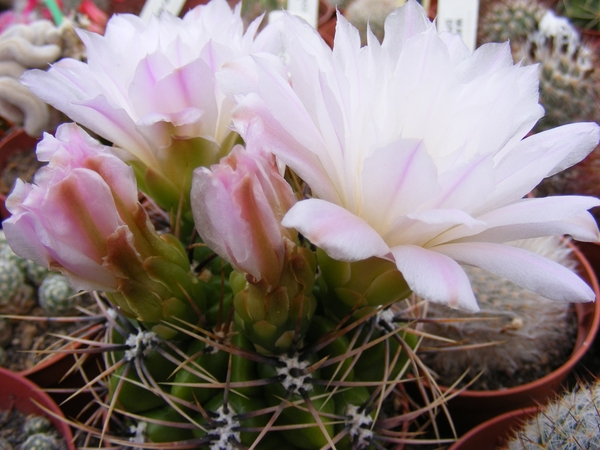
x: 140, y: 344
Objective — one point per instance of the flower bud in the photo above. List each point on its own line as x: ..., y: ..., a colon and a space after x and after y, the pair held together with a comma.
x: 238, y: 206
x: 81, y: 217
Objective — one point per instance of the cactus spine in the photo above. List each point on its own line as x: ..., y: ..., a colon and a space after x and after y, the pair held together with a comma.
x: 571, y: 422
x: 509, y: 20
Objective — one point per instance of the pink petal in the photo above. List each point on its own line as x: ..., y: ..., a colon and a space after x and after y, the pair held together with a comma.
x: 435, y: 277
x: 526, y: 269
x: 340, y: 233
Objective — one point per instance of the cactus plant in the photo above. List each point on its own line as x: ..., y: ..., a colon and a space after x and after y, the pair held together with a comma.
x: 569, y: 81
x: 515, y: 334
x: 571, y: 422
x: 11, y: 281
x: 369, y: 13
x: 215, y: 390
x: 585, y: 14
x: 35, y: 424
x: 56, y: 295
x: 514, y: 20
x: 41, y: 441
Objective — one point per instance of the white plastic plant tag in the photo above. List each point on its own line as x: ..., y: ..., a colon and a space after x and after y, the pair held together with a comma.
x: 460, y: 17
x: 157, y: 7
x: 307, y: 9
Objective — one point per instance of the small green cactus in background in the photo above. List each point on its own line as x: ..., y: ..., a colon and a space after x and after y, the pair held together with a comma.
x: 512, y: 20
x: 372, y: 13
x: 35, y: 273
x: 572, y: 422
x: 35, y: 424
x: 3, y: 242
x: 5, y: 332
x: 7, y: 254
x: 585, y: 14
x: 56, y: 295
x: 516, y: 331
x: 569, y: 81
x: 11, y: 282
x: 41, y: 441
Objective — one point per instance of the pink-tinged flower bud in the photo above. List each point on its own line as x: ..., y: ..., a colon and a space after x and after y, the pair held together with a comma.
x: 81, y: 217
x: 238, y: 206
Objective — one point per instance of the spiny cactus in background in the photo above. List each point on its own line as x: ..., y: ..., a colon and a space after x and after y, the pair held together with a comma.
x: 56, y: 295
x: 41, y: 441
x: 514, y: 334
x: 572, y: 422
x: 36, y: 424
x: 372, y: 13
x: 569, y: 81
x: 8, y: 255
x: 35, y: 273
x: 514, y: 20
x: 585, y: 14
x: 11, y: 279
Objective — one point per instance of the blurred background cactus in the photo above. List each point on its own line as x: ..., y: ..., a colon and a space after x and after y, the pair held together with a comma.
x: 585, y: 14
x: 572, y: 421
x: 569, y: 76
x: 517, y: 337
x: 372, y: 13
x: 500, y: 21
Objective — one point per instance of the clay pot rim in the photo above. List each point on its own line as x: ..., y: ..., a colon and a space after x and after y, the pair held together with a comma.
x: 512, y: 418
x: 41, y: 402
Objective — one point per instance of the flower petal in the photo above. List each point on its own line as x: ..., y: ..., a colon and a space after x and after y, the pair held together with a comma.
x: 341, y: 234
x: 526, y: 269
x: 435, y: 277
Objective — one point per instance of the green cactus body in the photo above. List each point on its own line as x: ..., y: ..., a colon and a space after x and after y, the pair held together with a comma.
x: 35, y: 273
x: 7, y: 254
x: 56, y: 295
x: 512, y: 20
x: 572, y: 422
x: 41, y: 441
x: 36, y: 424
x: 11, y: 282
x: 585, y: 14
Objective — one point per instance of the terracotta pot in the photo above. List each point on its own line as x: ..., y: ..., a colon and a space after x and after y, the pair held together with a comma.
x: 494, y: 433
x: 469, y: 408
x: 18, y: 392
x: 16, y: 141
x: 55, y: 374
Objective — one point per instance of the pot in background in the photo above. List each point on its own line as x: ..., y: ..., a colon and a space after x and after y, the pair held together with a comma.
x: 19, y: 393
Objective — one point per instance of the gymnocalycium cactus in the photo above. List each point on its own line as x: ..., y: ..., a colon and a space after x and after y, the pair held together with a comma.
x: 283, y: 317
x: 571, y: 422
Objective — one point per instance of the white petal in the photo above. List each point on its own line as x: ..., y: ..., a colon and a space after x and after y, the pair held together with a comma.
x: 526, y: 269
x: 435, y: 277
x: 341, y: 234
